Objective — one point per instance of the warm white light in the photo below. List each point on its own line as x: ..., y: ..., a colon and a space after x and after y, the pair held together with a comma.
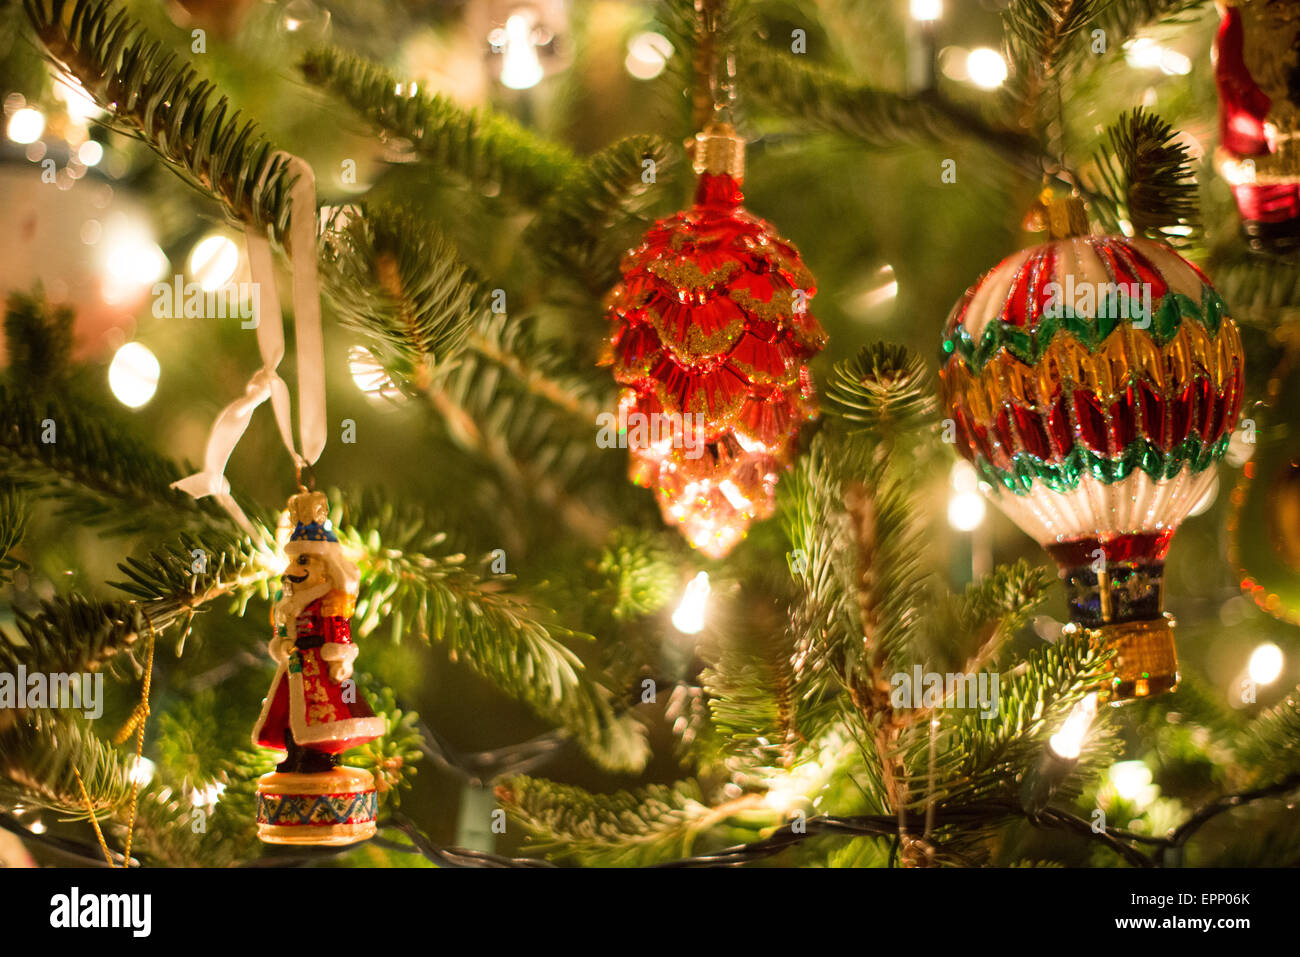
x: 26, y: 125
x: 966, y: 511
x: 133, y: 375
x: 647, y: 54
x: 926, y: 10
x: 77, y: 102
x: 689, y: 616
x: 520, y: 66
x: 986, y: 68
x: 37, y: 826
x: 369, y: 375
x: 131, y: 258
x: 90, y: 153
x: 213, y: 261
x: 1068, y: 742
x: 1147, y: 53
x: 1265, y: 664
x: 1130, y: 778
x: 140, y: 771
x: 208, y: 795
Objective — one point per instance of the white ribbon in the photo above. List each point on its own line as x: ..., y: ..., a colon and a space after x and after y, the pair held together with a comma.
x: 266, y: 383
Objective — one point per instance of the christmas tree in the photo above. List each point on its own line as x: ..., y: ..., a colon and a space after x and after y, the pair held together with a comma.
x: 627, y: 527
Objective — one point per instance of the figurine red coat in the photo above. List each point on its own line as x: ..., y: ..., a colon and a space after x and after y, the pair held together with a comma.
x: 310, y: 703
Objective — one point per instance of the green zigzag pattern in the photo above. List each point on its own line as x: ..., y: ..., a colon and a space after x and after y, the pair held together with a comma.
x: 1092, y: 332
x: 1140, y: 454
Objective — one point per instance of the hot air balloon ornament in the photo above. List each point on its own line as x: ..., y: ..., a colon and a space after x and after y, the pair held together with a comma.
x: 1094, y: 381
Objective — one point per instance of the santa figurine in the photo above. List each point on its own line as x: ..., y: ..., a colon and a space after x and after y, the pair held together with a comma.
x: 313, y: 712
x: 1257, y: 71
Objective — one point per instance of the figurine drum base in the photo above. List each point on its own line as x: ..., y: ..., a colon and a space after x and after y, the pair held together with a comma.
x: 328, y: 809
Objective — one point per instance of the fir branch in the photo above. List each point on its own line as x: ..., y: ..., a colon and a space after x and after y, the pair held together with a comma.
x: 1041, y: 37
x: 99, y: 471
x: 400, y: 284
x: 624, y: 829
x: 179, y: 579
x: 1121, y: 19
x: 1147, y: 176
x: 525, y: 427
x: 999, y: 605
x: 38, y: 339
x: 640, y: 575
x: 494, y: 633
x: 153, y: 95
x: 982, y: 758
x: 484, y: 148
x: 1268, y: 745
x: 68, y: 635
x: 883, y: 390
x: 40, y: 760
x: 584, y: 228
x: 751, y: 686
x: 13, y: 526
x: 819, y: 99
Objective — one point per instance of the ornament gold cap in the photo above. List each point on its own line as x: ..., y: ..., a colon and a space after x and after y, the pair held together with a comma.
x: 307, y: 507
x: 1067, y: 217
x: 720, y: 150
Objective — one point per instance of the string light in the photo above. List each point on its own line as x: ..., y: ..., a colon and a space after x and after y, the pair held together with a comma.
x: 90, y: 153
x: 26, y: 125
x: 1068, y: 742
x: 369, y: 374
x: 966, y: 508
x: 986, y: 68
x: 689, y: 616
x: 140, y: 771
x: 133, y: 375
x: 1132, y: 781
x: 1060, y: 757
x: 926, y: 11
x: 521, y: 67
x: 1265, y: 664
x: 647, y: 55
x: 213, y: 261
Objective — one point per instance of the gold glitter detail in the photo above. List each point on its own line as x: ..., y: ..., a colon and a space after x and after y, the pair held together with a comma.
x: 1067, y: 364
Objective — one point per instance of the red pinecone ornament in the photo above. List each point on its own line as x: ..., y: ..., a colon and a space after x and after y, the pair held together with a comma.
x: 711, y: 333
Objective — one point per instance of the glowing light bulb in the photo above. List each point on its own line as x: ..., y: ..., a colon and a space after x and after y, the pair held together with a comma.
x: 1130, y: 778
x: 966, y: 511
x: 520, y: 66
x: 369, y: 375
x: 1265, y: 664
x: 26, y: 125
x: 90, y: 153
x: 133, y: 375
x: 213, y: 261
x: 140, y: 771
x: 77, y: 102
x: 1068, y: 742
x: 129, y: 259
x: 647, y: 55
x: 986, y: 68
x: 926, y: 11
x: 689, y: 616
